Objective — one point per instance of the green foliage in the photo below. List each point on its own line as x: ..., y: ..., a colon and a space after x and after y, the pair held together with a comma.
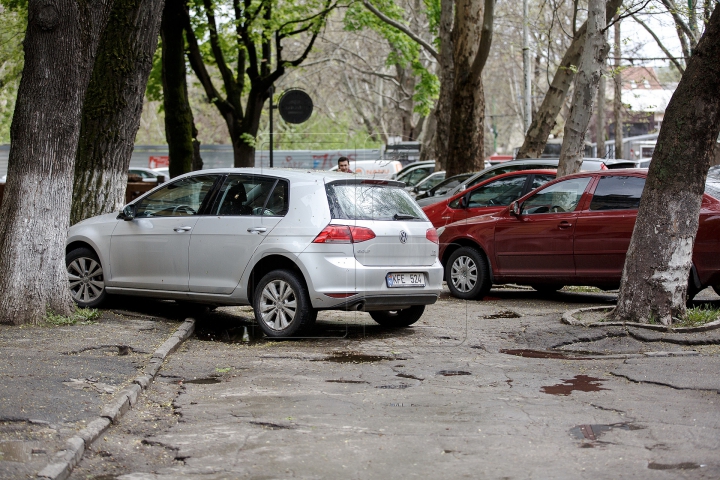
x: 82, y: 316
x: 154, y: 89
x: 697, y: 316
x: 12, y: 33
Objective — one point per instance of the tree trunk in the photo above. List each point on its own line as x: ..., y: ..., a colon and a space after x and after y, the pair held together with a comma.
x: 428, y: 136
x: 586, y: 84
x: 617, y: 100
x: 179, y: 123
x: 600, y: 118
x: 112, y: 108
x: 60, y: 45
x: 443, y: 109
x: 546, y: 116
x: 658, y: 262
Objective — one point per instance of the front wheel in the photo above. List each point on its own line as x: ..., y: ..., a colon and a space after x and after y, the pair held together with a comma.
x: 86, y: 278
x: 467, y: 274
x: 398, y: 318
x: 282, y: 304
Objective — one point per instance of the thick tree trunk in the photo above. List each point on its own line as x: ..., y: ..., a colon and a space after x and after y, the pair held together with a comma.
x: 659, y: 259
x: 617, y: 99
x: 443, y: 108
x: 428, y: 137
x: 179, y: 124
x: 244, y: 151
x: 586, y: 84
x: 466, y: 140
x: 546, y: 116
x: 60, y: 45
x: 600, y: 118
x: 112, y: 108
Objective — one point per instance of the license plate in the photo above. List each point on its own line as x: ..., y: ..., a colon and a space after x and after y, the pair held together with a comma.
x: 396, y: 280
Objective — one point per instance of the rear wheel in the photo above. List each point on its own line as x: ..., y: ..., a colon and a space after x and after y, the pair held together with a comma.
x: 86, y: 278
x: 716, y: 288
x: 282, y: 304
x: 398, y: 318
x: 467, y: 274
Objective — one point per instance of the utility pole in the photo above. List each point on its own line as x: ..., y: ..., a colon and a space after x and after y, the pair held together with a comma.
x: 527, y: 117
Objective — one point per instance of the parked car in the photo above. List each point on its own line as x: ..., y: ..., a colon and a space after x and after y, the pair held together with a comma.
x: 573, y: 231
x: 418, y: 171
x: 426, y: 183
x: 413, y: 165
x: 148, y: 174
x: 589, y: 164
x: 287, y: 242
x: 444, y: 186
x: 373, y: 168
x: 489, y: 196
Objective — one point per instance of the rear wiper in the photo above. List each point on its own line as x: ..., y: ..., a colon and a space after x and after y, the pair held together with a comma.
x: 404, y: 216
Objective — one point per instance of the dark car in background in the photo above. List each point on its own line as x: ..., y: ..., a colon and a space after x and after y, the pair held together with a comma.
x: 444, y: 186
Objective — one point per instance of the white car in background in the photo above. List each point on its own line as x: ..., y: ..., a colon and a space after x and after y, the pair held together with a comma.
x: 287, y: 242
x: 149, y: 174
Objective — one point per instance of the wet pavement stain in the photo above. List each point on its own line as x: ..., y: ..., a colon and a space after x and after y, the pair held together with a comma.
x: 503, y: 314
x: 273, y: 426
x: 581, y: 383
x: 592, y: 432
x: 400, y: 386
x: 407, y: 375
x: 452, y: 373
x: 541, y: 354
x: 673, y: 466
x: 347, y: 381
x: 202, y: 381
x: 354, y: 357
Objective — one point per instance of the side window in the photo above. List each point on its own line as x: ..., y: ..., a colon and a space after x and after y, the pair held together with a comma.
x: 540, y: 180
x: 558, y: 197
x: 617, y: 193
x: 412, y: 178
x: 179, y: 199
x: 277, y: 204
x: 243, y: 195
x: 498, y: 192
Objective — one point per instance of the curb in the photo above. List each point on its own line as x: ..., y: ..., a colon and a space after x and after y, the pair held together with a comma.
x: 568, y: 318
x: 111, y: 413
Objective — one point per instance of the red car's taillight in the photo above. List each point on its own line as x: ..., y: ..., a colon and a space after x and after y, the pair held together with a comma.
x: 344, y: 234
x: 603, y: 166
x: 432, y: 235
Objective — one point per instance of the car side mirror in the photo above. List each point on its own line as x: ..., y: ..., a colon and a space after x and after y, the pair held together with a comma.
x: 128, y: 213
x: 515, y: 209
x: 462, y: 202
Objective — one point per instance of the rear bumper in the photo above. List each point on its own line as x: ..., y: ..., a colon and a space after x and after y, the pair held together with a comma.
x: 372, y: 303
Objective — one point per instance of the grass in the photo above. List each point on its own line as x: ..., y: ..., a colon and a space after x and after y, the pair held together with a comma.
x: 581, y: 289
x: 82, y: 316
x: 697, y: 316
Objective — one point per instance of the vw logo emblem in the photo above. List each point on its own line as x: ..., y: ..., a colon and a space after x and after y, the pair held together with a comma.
x: 403, y: 236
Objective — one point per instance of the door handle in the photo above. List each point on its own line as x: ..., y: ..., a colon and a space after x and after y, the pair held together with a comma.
x: 182, y: 229
x: 564, y: 224
x: 257, y: 230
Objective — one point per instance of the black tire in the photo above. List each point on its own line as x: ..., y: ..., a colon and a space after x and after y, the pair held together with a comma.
x: 466, y: 284
x: 287, y: 312
x: 86, y: 278
x: 547, y: 288
x: 398, y: 318
x: 716, y: 288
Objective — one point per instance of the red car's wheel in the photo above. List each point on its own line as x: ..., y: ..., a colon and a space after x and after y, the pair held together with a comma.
x: 467, y: 274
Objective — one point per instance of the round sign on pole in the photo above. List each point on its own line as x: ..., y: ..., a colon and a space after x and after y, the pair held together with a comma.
x: 295, y: 106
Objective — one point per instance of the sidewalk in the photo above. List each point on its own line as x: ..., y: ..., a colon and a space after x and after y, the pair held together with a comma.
x: 56, y: 380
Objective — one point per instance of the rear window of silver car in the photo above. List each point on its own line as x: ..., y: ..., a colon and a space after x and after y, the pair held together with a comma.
x: 358, y: 201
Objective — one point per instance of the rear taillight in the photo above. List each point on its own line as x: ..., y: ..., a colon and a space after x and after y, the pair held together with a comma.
x: 344, y: 234
x: 603, y: 166
x: 432, y: 235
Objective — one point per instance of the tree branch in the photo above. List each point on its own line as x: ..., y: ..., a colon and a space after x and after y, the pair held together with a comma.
x: 485, y: 40
x: 217, y: 51
x: 660, y: 44
x: 402, y: 28
x: 681, y: 24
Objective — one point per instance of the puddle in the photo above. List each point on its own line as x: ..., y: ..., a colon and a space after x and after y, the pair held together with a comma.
x: 581, y: 383
x: 15, y: 451
x: 673, y: 466
x: 452, y: 373
x: 400, y: 386
x: 346, y: 381
x: 354, y: 357
x: 202, y: 381
x: 503, y: 314
x: 540, y: 354
x: 407, y: 375
x: 592, y: 432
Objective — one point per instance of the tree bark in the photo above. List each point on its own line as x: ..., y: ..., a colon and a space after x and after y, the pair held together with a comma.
x: 60, y: 45
x: 179, y: 124
x: 443, y: 109
x: 617, y: 98
x: 600, y: 118
x: 659, y: 259
x: 112, y: 108
x: 546, y: 116
x: 586, y: 84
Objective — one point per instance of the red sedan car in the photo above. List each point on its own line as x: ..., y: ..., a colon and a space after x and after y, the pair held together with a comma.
x: 573, y: 231
x: 489, y: 196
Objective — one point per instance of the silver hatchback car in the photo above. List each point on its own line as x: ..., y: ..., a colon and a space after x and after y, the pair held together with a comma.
x: 289, y: 243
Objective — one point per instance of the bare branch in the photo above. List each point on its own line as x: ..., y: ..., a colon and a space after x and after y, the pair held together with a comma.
x: 660, y: 44
x: 681, y: 24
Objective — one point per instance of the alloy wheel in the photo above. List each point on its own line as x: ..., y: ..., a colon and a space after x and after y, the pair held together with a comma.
x: 464, y: 274
x: 86, y: 279
x: 278, y: 304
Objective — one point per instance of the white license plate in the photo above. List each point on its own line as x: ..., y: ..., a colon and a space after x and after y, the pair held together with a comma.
x: 412, y: 279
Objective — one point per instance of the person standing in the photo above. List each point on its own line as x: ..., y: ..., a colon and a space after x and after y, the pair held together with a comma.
x: 344, y: 165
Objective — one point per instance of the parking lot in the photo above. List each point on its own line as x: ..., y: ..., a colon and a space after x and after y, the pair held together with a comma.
x: 460, y: 394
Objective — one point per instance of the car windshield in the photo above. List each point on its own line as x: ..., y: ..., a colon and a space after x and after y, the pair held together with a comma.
x: 372, y: 202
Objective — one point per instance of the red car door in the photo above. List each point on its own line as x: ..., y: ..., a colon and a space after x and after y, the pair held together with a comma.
x: 603, y: 230
x: 539, y: 241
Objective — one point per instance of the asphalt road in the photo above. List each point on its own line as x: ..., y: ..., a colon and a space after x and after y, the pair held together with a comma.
x: 451, y: 397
